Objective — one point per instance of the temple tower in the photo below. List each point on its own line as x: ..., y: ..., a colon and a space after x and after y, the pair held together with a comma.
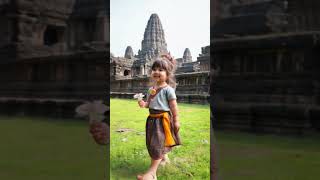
x: 187, y: 56
x: 129, y: 53
x: 152, y: 45
x: 153, y: 42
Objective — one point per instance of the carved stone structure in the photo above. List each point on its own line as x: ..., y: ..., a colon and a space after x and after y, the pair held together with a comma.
x: 185, y: 59
x: 152, y: 46
x: 185, y: 64
x: 246, y: 17
x: 129, y: 53
x: 266, y: 73
x: 130, y: 73
x: 53, y: 55
x: 121, y: 68
x: 192, y: 87
x: 153, y: 42
x: 204, y: 59
x: 187, y: 56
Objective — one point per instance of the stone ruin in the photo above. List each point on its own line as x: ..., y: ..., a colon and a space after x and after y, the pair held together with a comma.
x: 129, y: 74
x: 53, y: 55
x: 153, y: 45
x: 265, y: 68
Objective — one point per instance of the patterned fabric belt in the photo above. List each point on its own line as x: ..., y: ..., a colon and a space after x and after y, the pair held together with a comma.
x: 156, y: 111
x: 169, y: 141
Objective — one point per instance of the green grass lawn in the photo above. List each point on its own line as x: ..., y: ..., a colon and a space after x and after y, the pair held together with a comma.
x: 39, y: 148
x: 129, y: 155
x: 243, y: 156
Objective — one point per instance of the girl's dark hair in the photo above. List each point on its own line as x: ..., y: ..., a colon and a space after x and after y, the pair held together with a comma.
x: 167, y: 63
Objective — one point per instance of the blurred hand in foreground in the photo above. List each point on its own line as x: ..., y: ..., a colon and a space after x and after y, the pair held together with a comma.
x: 100, y: 132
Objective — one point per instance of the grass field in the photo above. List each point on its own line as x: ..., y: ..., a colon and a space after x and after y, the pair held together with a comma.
x: 129, y: 155
x: 243, y: 156
x: 39, y: 148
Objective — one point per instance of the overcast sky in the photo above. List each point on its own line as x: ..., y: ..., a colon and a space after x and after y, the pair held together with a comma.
x: 186, y: 24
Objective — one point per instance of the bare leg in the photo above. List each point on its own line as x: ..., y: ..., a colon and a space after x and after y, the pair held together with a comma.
x: 165, y: 160
x: 151, y: 174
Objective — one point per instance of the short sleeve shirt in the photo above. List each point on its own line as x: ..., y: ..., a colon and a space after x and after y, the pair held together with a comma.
x: 161, y: 100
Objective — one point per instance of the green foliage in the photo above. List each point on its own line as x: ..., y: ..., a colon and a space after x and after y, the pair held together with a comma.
x: 129, y: 155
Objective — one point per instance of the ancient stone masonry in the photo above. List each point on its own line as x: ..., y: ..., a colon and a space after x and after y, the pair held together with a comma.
x: 41, y: 28
x: 129, y: 74
x: 121, y: 67
x: 185, y: 64
x: 191, y: 88
x: 238, y: 18
x: 265, y: 75
x: 31, y: 26
x: 187, y: 56
x: 203, y: 59
x: 53, y: 54
x: 89, y: 25
x: 153, y: 42
x: 129, y: 53
x: 152, y: 46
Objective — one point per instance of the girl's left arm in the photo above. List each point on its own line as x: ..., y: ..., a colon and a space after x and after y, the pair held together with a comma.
x: 175, y: 114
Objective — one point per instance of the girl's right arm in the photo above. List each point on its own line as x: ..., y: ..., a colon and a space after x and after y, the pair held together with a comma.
x: 143, y: 104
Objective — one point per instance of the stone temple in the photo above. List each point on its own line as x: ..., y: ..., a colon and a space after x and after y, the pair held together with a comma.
x: 129, y: 74
x: 152, y: 46
x: 53, y: 55
x: 265, y: 65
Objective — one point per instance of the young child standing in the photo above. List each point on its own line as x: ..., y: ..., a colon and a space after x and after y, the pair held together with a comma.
x: 162, y: 124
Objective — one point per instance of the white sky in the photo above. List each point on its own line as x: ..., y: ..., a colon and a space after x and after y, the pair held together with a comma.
x: 186, y: 24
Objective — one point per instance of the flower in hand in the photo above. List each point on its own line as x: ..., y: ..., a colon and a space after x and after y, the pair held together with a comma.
x: 93, y: 110
x: 138, y: 96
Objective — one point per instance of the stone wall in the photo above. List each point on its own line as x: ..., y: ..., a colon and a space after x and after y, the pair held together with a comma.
x: 51, y: 28
x: 54, y: 82
x: 268, y: 118
x: 267, y: 83
x: 265, y: 74
x: 191, y: 88
x: 39, y: 107
x: 53, y: 53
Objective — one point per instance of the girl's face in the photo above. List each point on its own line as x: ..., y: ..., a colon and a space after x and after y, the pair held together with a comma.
x: 159, y: 75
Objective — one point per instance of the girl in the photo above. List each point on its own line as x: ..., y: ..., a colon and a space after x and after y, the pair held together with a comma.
x: 163, y: 121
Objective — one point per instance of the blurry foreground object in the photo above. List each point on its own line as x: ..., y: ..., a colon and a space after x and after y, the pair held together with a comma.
x: 95, y: 112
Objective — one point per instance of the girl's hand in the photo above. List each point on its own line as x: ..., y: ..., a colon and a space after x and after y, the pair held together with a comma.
x: 141, y: 104
x: 100, y: 132
x: 176, y: 126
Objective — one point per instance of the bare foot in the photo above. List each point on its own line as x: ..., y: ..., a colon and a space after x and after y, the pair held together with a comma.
x: 147, y: 176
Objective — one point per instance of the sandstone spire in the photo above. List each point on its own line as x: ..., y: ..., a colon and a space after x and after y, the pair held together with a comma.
x: 153, y: 42
x: 187, y: 55
x: 129, y: 53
